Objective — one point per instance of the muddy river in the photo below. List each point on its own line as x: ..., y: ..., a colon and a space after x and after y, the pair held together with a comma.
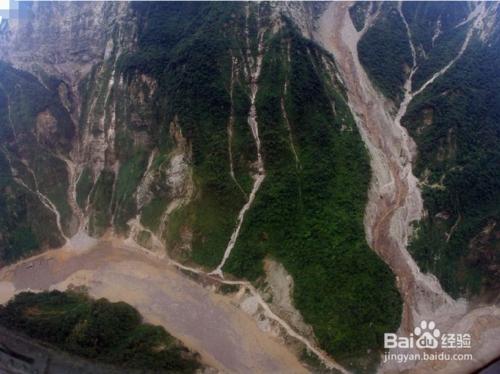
x: 226, y: 337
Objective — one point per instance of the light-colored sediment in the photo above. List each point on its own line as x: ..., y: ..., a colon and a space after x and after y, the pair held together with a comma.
x: 280, y: 287
x: 254, y: 69
x: 46, y: 202
x: 228, y: 337
x: 394, y: 198
x: 253, y: 304
x: 225, y: 336
x: 73, y: 175
x: 179, y: 177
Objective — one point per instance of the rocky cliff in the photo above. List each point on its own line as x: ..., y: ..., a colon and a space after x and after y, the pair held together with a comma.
x: 228, y: 134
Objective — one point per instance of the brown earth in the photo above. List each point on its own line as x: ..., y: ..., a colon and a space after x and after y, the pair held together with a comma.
x: 211, y: 324
x: 395, y: 202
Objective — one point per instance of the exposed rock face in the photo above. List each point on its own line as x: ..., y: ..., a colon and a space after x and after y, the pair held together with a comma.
x: 60, y: 43
x: 46, y: 126
x: 132, y: 120
x: 394, y: 199
x: 66, y: 39
x: 280, y: 290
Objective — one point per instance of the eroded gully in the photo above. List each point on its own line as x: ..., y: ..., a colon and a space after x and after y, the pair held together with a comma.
x: 394, y: 198
x: 254, y: 68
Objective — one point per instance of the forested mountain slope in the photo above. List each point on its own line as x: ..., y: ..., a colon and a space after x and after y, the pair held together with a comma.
x: 344, y: 152
x: 204, y: 129
x: 397, y: 101
x: 455, y: 124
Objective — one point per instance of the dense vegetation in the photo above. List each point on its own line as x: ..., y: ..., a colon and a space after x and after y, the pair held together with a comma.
x: 385, y: 52
x: 309, y: 215
x: 426, y: 18
x: 433, y: 31
x: 188, y: 49
x: 459, y: 157
x: 455, y: 123
x: 26, y: 225
x: 96, y: 329
x: 357, y: 12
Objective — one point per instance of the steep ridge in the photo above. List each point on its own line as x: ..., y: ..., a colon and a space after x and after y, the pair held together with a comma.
x: 391, y: 173
x: 36, y: 127
x: 254, y: 69
x: 172, y: 130
x: 457, y: 158
x: 145, y: 160
x: 60, y: 55
x: 46, y: 202
x: 43, y: 198
x: 394, y: 199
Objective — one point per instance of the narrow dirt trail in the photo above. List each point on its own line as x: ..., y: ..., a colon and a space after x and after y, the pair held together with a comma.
x: 159, y: 252
x: 226, y: 337
x: 247, y: 286
x: 394, y: 198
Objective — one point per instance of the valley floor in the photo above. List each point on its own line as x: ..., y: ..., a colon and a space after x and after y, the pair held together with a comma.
x: 226, y: 337
x: 395, y: 202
